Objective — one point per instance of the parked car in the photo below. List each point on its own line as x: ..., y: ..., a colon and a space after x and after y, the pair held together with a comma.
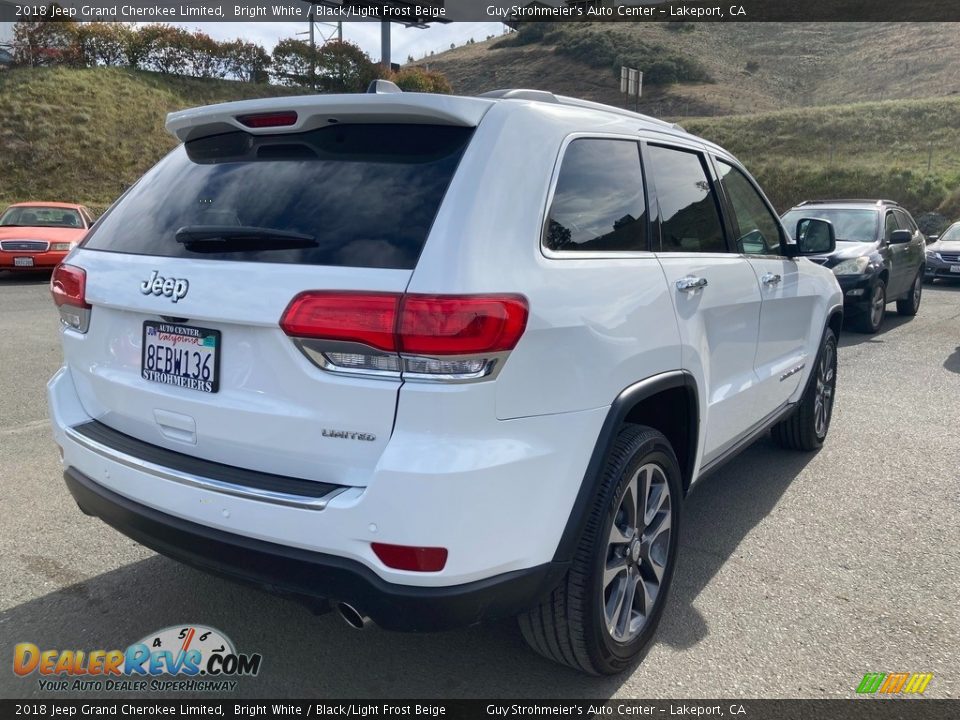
x: 943, y: 255
x: 454, y: 358
x: 879, y: 256
x: 38, y: 235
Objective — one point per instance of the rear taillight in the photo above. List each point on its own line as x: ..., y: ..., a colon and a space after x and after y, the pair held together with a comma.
x: 438, y: 337
x: 68, y: 285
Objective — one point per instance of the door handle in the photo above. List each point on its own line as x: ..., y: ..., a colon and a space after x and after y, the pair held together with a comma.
x: 770, y: 279
x: 691, y: 283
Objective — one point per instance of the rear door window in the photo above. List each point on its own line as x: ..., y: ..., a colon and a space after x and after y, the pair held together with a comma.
x: 689, y: 215
x: 599, y: 202
x: 365, y: 195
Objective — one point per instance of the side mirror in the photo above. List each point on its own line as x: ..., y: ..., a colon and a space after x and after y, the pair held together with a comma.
x: 899, y: 237
x: 814, y: 237
x: 932, y: 238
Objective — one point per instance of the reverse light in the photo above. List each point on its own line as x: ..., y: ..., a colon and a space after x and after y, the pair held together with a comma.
x: 268, y: 120
x: 68, y: 286
x: 416, y: 559
x: 432, y: 337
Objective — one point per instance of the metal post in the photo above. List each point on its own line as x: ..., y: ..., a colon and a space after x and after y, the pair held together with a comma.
x: 313, y: 51
x: 385, y: 43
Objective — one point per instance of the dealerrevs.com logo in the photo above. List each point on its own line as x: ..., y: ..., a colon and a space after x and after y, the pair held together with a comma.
x: 178, y: 658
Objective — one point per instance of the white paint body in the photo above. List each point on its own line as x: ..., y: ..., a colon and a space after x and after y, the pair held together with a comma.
x: 490, y: 469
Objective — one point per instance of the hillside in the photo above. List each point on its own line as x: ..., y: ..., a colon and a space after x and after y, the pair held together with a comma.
x: 84, y: 135
x: 908, y: 150
x: 755, y: 67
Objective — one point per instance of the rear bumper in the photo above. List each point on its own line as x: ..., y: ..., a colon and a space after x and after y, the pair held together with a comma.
x: 306, y: 574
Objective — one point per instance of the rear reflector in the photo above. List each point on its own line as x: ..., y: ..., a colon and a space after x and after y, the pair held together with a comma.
x: 68, y: 285
x: 268, y: 120
x: 416, y: 559
x: 410, y: 324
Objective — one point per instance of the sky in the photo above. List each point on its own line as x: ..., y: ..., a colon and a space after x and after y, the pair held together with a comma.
x: 405, y: 41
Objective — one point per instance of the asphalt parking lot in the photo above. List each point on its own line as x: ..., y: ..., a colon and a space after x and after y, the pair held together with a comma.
x: 798, y: 573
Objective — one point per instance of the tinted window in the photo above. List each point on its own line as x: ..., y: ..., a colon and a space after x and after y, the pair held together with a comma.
x: 367, y: 194
x: 757, y: 228
x: 599, y: 201
x: 852, y: 224
x: 905, y: 221
x: 889, y: 225
x: 689, y: 221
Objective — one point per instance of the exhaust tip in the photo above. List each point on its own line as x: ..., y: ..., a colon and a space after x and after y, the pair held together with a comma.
x: 353, y: 617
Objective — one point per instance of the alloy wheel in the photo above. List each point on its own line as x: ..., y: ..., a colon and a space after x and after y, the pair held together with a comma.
x: 637, y: 553
x: 826, y: 380
x: 877, y: 305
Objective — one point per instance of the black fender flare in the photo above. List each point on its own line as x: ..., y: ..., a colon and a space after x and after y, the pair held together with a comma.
x: 628, y: 398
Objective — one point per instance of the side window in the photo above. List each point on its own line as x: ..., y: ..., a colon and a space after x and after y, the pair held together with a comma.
x: 905, y: 221
x: 689, y: 220
x: 599, y: 202
x: 757, y: 230
x: 889, y: 225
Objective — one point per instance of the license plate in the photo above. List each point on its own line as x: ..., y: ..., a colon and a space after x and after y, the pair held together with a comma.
x: 23, y: 262
x: 181, y: 355
x: 955, y: 268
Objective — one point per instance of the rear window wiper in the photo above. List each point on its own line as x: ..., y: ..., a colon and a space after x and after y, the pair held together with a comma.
x: 240, y: 238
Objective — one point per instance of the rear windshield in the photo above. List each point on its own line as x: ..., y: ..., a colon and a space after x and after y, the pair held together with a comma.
x: 366, y: 194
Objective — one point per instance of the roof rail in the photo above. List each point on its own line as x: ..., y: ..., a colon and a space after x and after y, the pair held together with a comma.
x: 870, y: 201
x: 549, y: 97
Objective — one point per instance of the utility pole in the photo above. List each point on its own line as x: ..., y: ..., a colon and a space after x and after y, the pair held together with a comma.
x: 313, y: 50
x: 385, y: 43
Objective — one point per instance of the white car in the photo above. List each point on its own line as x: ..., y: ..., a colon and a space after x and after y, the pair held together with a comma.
x: 436, y: 360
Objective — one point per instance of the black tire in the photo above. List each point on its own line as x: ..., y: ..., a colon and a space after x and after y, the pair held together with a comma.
x: 803, y: 429
x: 870, y: 321
x: 911, y: 303
x: 570, y: 626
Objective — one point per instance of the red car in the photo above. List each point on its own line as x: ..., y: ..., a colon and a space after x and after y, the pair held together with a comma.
x: 37, y: 235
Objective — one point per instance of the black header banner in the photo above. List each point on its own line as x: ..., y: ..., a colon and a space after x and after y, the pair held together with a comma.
x: 862, y: 709
x: 418, y: 12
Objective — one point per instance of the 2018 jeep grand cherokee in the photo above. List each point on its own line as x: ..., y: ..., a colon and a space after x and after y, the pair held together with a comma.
x: 437, y: 359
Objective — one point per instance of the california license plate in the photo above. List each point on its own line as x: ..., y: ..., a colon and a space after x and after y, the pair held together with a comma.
x: 23, y: 262
x: 955, y: 268
x: 181, y: 355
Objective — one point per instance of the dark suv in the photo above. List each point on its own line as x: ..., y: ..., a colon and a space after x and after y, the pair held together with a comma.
x: 879, y: 256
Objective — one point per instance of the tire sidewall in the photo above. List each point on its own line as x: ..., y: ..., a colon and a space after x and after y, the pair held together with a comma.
x: 600, y: 645
x: 883, y: 312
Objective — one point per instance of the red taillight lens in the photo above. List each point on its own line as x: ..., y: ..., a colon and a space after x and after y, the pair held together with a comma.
x: 367, y: 318
x: 417, y: 559
x: 268, y: 120
x: 460, y: 325
x: 68, y: 285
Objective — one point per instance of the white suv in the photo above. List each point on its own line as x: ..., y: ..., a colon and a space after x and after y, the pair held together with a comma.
x: 436, y: 360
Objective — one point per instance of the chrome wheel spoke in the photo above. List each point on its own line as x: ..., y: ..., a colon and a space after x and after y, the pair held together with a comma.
x: 626, y: 608
x: 613, y: 569
x: 637, y: 555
